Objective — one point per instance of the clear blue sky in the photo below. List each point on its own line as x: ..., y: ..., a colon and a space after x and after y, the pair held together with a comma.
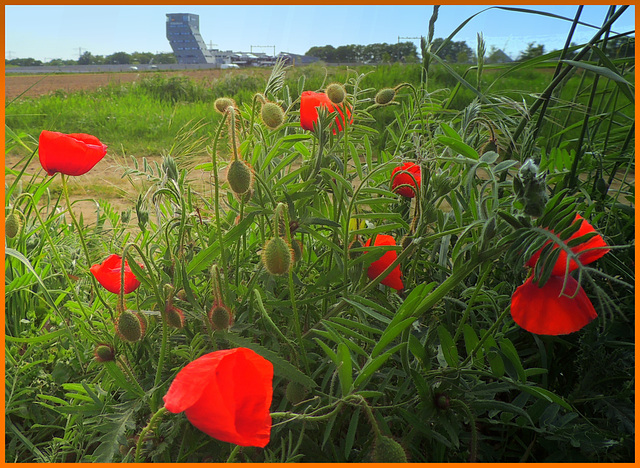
x: 47, y: 32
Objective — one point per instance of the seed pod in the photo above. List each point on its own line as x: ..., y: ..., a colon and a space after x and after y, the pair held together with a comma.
x: 385, y: 96
x: 277, y: 256
x: 131, y: 326
x: 219, y: 317
x: 442, y: 401
x: 387, y: 450
x: 296, y: 392
x: 272, y: 115
x: 13, y: 224
x: 240, y: 177
x: 336, y: 93
x: 175, y: 317
x: 104, y: 352
x: 221, y: 104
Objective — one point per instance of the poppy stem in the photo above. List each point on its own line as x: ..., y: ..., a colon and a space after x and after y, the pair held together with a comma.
x: 152, y: 422
x: 216, y: 189
x: 96, y: 288
x: 487, y: 335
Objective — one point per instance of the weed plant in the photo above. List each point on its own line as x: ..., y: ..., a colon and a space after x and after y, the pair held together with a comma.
x: 438, y: 366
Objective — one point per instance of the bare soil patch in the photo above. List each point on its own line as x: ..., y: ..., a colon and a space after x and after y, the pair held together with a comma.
x: 38, y: 85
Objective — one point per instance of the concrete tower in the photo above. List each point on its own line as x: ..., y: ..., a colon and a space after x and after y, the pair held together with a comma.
x: 183, y: 33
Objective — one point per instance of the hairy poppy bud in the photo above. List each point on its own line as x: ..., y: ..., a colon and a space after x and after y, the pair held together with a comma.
x: 277, y: 256
x: 219, y: 317
x: 336, y: 93
x: 221, y: 104
x: 131, y: 326
x: 13, y: 224
x: 175, y: 317
x: 240, y: 177
x: 385, y: 96
x: 296, y: 246
x: 104, y: 352
x: 530, y: 188
x: 296, y: 392
x: 387, y: 450
x: 272, y: 115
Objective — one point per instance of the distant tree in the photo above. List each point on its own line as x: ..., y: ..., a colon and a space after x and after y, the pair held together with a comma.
x: 404, y: 51
x: 621, y: 47
x: 453, y: 51
x: 119, y: 58
x: 59, y: 62
x: 164, y: 58
x: 86, y: 59
x: 141, y: 57
x: 24, y: 62
x: 531, y: 51
x: 326, y: 53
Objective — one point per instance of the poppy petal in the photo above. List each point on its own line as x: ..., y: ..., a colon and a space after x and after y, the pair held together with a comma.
x: 108, y: 274
x: 73, y: 154
x: 405, y: 179
x: 584, y: 252
x: 394, y: 278
x: 545, y: 311
x: 226, y: 394
x: 309, y: 103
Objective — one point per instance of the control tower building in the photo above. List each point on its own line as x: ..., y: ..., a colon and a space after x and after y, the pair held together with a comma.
x: 183, y: 33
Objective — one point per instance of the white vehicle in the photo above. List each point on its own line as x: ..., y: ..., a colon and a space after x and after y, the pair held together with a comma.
x: 226, y: 66
x: 133, y: 68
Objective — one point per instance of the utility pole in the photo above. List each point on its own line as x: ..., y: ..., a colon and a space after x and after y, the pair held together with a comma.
x: 211, y: 44
x: 7, y: 54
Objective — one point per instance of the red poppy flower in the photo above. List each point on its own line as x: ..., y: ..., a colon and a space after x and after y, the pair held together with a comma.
x: 74, y: 154
x: 310, y: 101
x: 394, y: 278
x: 227, y: 395
x: 584, y: 252
x: 405, y: 179
x: 108, y: 275
x: 545, y: 311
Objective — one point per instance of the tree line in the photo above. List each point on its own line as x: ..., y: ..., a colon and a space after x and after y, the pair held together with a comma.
x: 87, y: 58
x: 406, y: 52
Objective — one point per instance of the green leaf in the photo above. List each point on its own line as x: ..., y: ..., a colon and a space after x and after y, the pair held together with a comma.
x: 374, y: 364
x: 345, y: 369
x: 623, y: 84
x: 121, y: 380
x: 449, y: 349
x: 391, y: 332
x: 470, y: 342
x: 458, y: 146
x: 507, y: 348
x: 545, y: 395
x: 36, y: 339
x: 450, y: 132
x: 280, y: 366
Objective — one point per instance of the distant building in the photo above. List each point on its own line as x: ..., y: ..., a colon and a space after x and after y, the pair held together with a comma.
x: 498, y: 56
x: 183, y: 33
x: 297, y: 59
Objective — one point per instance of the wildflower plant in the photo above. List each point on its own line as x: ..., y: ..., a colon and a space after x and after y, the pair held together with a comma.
x: 331, y: 293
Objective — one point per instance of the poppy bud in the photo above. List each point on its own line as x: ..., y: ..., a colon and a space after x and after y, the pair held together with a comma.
x: 385, y: 96
x: 490, y: 145
x: 182, y: 295
x: 387, y: 450
x: 336, y: 93
x: 131, y: 326
x: 442, y: 401
x: 104, y: 352
x: 296, y: 392
x: 296, y: 246
x: 530, y: 188
x: 221, y: 104
x: 272, y: 115
x: 219, y: 317
x: 240, y: 177
x: 175, y: 317
x: 13, y: 224
x: 277, y: 256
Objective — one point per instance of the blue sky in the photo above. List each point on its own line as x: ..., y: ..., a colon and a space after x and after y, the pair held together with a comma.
x: 45, y: 32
